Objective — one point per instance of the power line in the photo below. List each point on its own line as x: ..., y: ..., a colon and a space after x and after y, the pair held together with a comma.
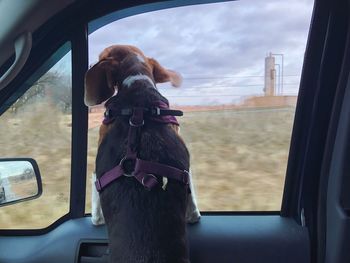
x: 230, y: 86
x: 230, y: 77
x: 223, y: 95
x: 222, y: 77
x: 239, y: 86
x: 209, y: 95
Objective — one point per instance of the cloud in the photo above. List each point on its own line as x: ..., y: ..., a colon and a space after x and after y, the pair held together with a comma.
x: 229, y: 39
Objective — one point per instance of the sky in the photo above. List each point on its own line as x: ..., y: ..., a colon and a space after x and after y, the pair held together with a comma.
x: 219, y: 48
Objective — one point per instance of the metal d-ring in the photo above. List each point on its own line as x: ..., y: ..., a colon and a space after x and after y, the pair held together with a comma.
x: 121, y: 164
x: 136, y: 125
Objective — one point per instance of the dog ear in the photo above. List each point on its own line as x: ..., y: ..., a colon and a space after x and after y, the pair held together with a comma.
x: 162, y: 75
x: 99, y: 82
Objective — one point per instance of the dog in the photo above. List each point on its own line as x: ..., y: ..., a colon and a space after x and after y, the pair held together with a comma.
x: 151, y: 197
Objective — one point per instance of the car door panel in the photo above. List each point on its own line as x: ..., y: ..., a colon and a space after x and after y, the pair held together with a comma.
x: 216, y: 238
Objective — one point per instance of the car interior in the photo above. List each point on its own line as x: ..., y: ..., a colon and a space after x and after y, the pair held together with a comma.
x: 312, y: 223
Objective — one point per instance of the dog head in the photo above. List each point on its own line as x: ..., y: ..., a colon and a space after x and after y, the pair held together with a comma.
x: 116, y: 64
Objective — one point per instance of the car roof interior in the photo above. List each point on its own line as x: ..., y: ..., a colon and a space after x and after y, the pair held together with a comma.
x: 24, y: 16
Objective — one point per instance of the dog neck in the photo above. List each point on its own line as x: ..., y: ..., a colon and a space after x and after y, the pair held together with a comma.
x: 131, y: 79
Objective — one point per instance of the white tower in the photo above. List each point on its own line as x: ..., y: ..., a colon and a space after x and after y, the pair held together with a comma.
x: 270, y: 74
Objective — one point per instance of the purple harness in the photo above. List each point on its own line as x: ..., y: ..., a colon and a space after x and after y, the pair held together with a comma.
x: 143, y: 171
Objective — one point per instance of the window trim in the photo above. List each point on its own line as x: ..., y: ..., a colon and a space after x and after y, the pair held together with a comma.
x: 58, y: 54
x: 79, y: 123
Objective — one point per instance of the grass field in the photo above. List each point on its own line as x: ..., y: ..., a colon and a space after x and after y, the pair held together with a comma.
x: 238, y: 159
x: 42, y: 133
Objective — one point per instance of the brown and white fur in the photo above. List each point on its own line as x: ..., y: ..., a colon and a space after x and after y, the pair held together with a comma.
x: 101, y: 83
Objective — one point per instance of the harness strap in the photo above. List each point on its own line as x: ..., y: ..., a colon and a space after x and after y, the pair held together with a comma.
x: 109, y: 177
x: 159, y: 113
x: 136, y: 122
x: 155, y: 111
x: 143, y: 167
x: 143, y: 171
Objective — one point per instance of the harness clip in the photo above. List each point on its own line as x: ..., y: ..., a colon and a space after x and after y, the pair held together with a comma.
x: 98, y: 185
x: 186, y: 177
x: 149, y: 181
x: 155, y: 111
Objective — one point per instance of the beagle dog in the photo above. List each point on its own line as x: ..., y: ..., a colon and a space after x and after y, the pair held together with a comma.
x: 145, y: 224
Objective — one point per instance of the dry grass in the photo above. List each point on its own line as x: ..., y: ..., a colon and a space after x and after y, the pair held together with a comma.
x: 43, y: 133
x: 238, y: 159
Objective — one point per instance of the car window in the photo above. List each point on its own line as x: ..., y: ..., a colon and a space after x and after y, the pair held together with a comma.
x: 241, y: 63
x: 38, y: 125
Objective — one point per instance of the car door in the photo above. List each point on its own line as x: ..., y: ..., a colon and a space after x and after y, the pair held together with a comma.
x: 306, y: 229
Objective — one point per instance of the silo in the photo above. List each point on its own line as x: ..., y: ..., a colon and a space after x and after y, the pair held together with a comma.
x: 270, y: 73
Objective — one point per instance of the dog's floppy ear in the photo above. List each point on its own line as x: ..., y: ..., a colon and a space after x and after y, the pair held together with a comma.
x: 161, y: 74
x: 99, y: 82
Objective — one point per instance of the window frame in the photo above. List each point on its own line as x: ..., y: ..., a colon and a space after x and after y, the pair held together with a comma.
x: 33, y: 71
x: 49, y: 37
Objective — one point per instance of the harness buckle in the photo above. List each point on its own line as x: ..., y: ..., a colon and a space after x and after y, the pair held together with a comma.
x: 155, y: 111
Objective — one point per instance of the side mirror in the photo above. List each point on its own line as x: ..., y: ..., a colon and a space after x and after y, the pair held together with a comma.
x: 19, y: 180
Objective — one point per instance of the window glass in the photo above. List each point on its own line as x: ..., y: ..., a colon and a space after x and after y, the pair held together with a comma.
x: 241, y: 64
x: 38, y: 125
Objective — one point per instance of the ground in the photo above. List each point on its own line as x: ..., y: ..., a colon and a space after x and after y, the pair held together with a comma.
x: 238, y: 158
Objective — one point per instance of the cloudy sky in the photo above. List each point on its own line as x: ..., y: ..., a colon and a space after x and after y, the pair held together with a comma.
x: 218, y: 48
